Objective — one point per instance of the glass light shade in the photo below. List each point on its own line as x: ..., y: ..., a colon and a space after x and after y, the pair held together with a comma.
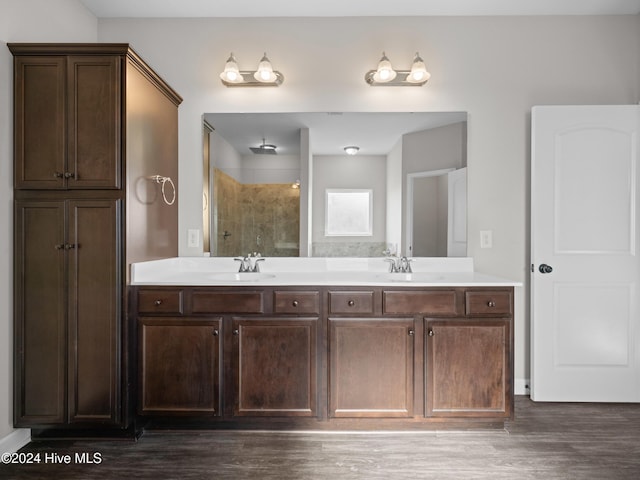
x: 265, y: 71
x: 418, y: 72
x: 385, y: 72
x: 351, y: 149
x: 231, y: 73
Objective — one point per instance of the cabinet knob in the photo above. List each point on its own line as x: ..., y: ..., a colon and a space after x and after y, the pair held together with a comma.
x: 411, y: 332
x: 158, y: 302
x: 215, y: 332
x: 294, y: 303
x: 351, y: 303
x: 69, y: 175
x: 430, y: 333
x: 236, y: 332
x: 491, y: 303
x: 58, y: 175
x: 60, y: 246
x: 70, y: 246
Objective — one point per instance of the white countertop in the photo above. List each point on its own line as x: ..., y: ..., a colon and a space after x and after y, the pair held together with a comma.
x: 290, y: 271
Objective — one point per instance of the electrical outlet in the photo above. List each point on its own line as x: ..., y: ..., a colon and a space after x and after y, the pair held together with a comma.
x: 486, y: 239
x: 193, y: 238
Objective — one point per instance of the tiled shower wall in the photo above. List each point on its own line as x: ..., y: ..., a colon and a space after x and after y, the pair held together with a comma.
x: 262, y: 218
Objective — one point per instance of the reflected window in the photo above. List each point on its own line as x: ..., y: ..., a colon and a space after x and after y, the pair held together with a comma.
x: 348, y: 212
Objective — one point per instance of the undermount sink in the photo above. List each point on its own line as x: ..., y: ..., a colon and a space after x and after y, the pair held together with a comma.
x: 241, y: 276
x: 410, y: 277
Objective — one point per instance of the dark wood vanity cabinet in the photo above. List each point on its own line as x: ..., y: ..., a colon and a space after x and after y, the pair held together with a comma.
x: 371, y: 367
x: 470, y: 359
x: 179, y: 365
x: 81, y: 114
x: 274, y: 366
x: 327, y: 357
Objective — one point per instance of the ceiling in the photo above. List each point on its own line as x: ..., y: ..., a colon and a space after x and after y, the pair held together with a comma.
x: 375, y: 133
x: 355, y: 8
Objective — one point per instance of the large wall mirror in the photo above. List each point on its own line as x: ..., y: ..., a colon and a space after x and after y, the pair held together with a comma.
x: 272, y: 182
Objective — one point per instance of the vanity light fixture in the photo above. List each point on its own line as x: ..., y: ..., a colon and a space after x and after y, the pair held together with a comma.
x: 351, y: 149
x: 385, y: 75
x: 264, y: 76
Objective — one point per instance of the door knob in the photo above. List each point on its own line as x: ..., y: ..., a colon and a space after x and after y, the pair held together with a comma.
x: 544, y: 268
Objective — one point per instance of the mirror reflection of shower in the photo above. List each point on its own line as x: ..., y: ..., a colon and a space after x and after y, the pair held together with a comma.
x: 272, y: 202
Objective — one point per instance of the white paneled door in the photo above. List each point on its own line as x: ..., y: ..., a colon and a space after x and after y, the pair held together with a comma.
x: 585, y: 272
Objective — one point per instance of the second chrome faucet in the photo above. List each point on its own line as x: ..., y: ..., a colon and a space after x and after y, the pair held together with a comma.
x: 250, y: 263
x: 399, y: 264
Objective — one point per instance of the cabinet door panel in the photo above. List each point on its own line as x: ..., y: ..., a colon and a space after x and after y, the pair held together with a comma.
x: 40, y: 313
x: 179, y: 366
x: 276, y: 366
x: 40, y: 122
x: 94, y: 106
x: 371, y: 367
x: 94, y: 309
x: 468, y: 367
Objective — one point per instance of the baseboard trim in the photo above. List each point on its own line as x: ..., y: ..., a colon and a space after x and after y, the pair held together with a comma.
x: 15, y: 440
x: 521, y: 386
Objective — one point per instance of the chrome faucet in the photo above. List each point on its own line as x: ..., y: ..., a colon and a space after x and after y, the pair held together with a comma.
x: 399, y: 264
x: 250, y: 263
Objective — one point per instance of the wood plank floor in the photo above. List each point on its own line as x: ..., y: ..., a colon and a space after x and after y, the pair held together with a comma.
x: 545, y: 441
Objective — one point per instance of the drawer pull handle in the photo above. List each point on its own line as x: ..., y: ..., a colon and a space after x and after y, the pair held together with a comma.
x: 491, y: 303
x: 158, y: 303
x: 294, y: 303
x: 351, y: 303
x: 215, y: 333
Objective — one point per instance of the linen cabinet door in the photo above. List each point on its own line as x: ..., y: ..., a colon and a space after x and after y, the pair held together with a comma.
x: 40, y: 122
x: 94, y: 122
x: 468, y: 368
x: 40, y: 313
x: 371, y: 367
x: 179, y: 366
x: 95, y: 310
x: 275, y: 366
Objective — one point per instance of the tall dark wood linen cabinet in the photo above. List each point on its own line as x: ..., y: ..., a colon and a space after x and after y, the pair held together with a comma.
x: 93, y: 126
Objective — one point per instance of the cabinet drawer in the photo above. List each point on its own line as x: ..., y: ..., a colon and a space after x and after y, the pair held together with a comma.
x: 488, y: 303
x: 227, y: 302
x: 160, y: 301
x: 427, y: 302
x: 351, y: 302
x: 296, y: 302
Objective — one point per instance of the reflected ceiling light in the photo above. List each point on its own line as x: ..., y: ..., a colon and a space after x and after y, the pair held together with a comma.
x: 385, y: 75
x: 264, y: 76
x: 351, y: 149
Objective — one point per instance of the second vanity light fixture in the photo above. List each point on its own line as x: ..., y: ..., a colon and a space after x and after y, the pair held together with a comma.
x: 264, y: 76
x: 385, y: 75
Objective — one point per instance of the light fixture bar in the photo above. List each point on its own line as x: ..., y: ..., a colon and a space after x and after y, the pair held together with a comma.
x: 248, y: 80
x: 264, y: 76
x: 385, y: 75
x: 401, y: 80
